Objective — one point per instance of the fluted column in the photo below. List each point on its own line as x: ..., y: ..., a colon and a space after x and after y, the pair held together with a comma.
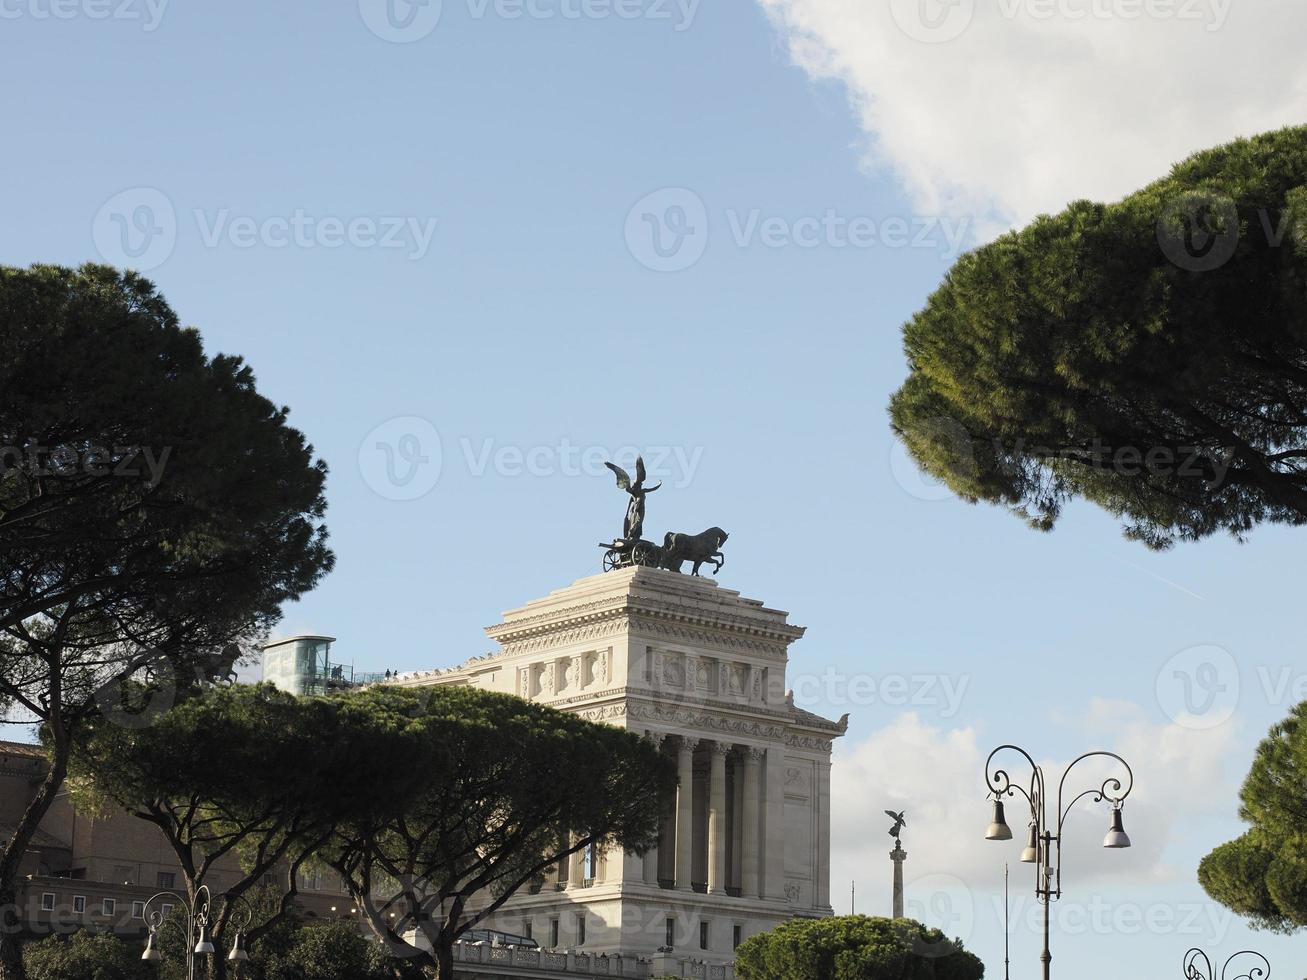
x: 576, y: 868
x: 685, y: 813
x: 752, y: 788
x: 650, y: 870
x: 717, y: 829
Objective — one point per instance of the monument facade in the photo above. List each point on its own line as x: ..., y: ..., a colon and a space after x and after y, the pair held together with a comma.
x: 701, y: 671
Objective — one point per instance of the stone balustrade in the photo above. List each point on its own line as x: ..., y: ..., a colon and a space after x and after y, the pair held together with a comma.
x: 486, y: 960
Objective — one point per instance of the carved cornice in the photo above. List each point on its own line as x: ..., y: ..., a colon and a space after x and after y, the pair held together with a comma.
x: 705, y: 611
x: 808, y: 742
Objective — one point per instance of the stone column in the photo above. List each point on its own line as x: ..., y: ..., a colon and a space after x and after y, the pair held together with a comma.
x: 717, y: 829
x: 898, y: 856
x: 752, y: 791
x: 650, y: 869
x: 773, y: 836
x: 576, y: 868
x: 685, y: 813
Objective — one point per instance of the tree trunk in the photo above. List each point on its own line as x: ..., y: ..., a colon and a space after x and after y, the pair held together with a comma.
x: 443, y: 955
x: 11, y: 857
x: 11, y: 954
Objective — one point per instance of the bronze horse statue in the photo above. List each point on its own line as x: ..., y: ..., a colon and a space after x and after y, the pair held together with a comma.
x: 698, y: 548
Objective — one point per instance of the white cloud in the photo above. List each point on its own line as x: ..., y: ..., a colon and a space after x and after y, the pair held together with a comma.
x: 1035, y: 103
x: 937, y: 774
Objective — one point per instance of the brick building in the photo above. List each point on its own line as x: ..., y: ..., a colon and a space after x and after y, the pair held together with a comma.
x: 84, y: 872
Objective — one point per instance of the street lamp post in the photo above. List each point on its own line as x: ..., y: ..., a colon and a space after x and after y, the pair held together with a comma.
x: 195, y: 932
x: 1044, y: 842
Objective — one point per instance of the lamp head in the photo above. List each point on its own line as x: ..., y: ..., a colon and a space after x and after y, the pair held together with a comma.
x: 204, y: 947
x: 998, y: 828
x: 151, y: 954
x: 1116, y: 835
x: 238, y: 953
x: 1031, y: 853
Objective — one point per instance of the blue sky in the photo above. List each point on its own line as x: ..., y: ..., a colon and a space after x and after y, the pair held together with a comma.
x: 444, y: 243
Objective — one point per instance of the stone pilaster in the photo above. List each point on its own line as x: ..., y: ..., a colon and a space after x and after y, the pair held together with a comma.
x: 685, y: 813
x: 773, y: 821
x: 717, y: 830
x: 650, y: 866
x: 750, y: 818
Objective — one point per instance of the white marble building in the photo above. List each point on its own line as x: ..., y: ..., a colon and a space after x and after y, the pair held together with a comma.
x: 701, y: 671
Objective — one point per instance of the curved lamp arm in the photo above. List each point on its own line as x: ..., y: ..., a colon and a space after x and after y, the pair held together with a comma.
x: 999, y: 783
x: 1111, y: 790
x: 1253, y: 973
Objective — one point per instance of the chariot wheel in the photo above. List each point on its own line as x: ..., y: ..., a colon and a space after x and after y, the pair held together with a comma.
x: 644, y: 554
x: 612, y: 559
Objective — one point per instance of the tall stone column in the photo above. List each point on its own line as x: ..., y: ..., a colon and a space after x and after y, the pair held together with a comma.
x: 752, y: 791
x: 650, y: 869
x: 898, y: 856
x: 685, y: 813
x: 773, y: 839
x: 576, y: 868
x: 717, y: 829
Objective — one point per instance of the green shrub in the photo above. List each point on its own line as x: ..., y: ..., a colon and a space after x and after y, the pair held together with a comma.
x: 84, y: 956
x: 323, y: 952
x: 855, y: 947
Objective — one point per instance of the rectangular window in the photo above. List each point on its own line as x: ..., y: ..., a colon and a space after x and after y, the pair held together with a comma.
x: 108, y: 907
x: 703, y: 935
x: 553, y: 933
x: 736, y: 937
x: 79, y: 904
x: 167, y: 879
x: 528, y: 930
x: 47, y: 902
x: 138, y: 910
x: 670, y: 938
x: 580, y: 929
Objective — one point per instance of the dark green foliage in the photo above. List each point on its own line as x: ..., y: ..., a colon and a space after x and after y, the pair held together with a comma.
x: 325, y: 952
x: 85, y: 956
x: 855, y: 947
x: 498, y: 791
x: 155, y: 513
x: 1263, y: 874
x: 98, y: 379
x: 244, y: 770
x: 1051, y: 363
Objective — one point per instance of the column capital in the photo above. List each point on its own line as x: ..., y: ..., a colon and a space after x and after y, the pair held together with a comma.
x: 720, y: 748
x: 753, y: 754
x: 689, y: 743
x: 657, y: 738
